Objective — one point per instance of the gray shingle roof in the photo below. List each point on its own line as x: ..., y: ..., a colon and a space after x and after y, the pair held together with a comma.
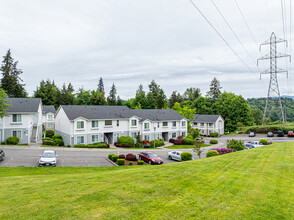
x: 96, y: 111
x: 23, y: 105
x: 48, y: 108
x: 205, y: 118
x: 157, y: 114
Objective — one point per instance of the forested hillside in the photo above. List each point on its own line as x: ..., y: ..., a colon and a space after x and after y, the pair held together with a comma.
x: 288, y: 103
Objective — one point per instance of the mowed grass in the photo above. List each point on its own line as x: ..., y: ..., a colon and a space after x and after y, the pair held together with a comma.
x: 251, y: 184
x: 186, y: 146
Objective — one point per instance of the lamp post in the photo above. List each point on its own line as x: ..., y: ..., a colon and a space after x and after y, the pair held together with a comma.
x: 154, y: 135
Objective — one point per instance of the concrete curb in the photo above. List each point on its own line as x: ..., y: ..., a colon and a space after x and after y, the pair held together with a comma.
x: 111, y: 162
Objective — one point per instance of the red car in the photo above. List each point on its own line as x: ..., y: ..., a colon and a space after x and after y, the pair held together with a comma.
x: 290, y: 134
x: 150, y: 157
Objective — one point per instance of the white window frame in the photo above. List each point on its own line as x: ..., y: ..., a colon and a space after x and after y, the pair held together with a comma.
x: 184, y: 133
x: 164, y: 125
x: 158, y: 124
x: 17, y: 131
x: 18, y: 118
x: 174, y: 135
x: 117, y: 136
x: 117, y: 123
x: 135, y: 124
x: 147, y: 127
x: 201, y: 124
x: 107, y: 121
x: 195, y: 123
x: 133, y: 135
x: 80, y: 139
x: 184, y: 123
x: 174, y: 123
x: 94, y: 124
x: 147, y: 137
x: 50, y: 117
x: 82, y: 123
x: 210, y: 124
x: 50, y: 125
x: 95, y: 135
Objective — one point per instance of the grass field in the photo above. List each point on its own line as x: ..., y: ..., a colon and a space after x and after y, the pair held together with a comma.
x: 185, y: 146
x: 251, y: 184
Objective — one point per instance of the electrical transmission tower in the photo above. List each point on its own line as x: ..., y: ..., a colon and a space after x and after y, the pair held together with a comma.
x: 273, y: 89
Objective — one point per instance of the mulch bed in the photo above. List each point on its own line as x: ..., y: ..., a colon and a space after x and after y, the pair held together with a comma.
x: 127, y: 163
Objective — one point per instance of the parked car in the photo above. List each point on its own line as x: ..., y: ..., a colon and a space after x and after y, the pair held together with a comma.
x: 270, y: 141
x: 256, y: 144
x: 150, y: 157
x: 248, y: 146
x: 174, y: 155
x: 290, y: 134
x: 48, y: 158
x: 2, y: 155
x: 280, y: 134
x: 252, y: 134
x: 270, y: 134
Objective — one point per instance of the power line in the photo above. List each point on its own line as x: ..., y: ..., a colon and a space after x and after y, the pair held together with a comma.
x: 225, y: 20
x: 221, y: 36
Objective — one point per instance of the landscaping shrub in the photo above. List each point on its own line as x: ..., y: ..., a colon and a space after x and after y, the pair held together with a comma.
x: 213, y: 141
x: 131, y: 157
x: 114, y: 158
x: 179, y: 142
x: 122, y: 156
x: 57, y: 136
x: 101, y: 145
x: 49, y: 133
x: 186, y: 156
x: 235, y: 145
x: 263, y: 141
x: 126, y: 140
x: 131, y: 163
x: 214, y: 134
x: 80, y: 145
x: 158, y: 143
x: 223, y: 150
x: 110, y: 156
x: 172, y: 140
x: 68, y: 145
x: 123, y: 145
x: 48, y: 142
x: 12, y: 140
x: 120, y: 162
x: 58, y: 142
x: 3, y: 143
x: 180, y: 137
x: 212, y: 153
x: 188, y: 141
x: 138, y: 145
x: 115, y: 144
x: 140, y: 162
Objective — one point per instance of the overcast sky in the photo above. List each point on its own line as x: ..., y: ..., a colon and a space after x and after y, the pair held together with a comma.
x: 128, y: 42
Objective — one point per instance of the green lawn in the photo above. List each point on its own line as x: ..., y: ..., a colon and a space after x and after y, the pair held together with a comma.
x: 185, y: 146
x: 251, y: 184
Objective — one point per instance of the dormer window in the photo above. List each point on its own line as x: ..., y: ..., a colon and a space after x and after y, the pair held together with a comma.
x: 147, y: 126
x: 80, y: 125
x: 134, y: 122
x: 183, y: 123
x: 16, y: 118
x: 50, y: 117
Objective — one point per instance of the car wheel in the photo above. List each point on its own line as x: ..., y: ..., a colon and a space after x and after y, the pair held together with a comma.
x: 150, y: 162
x: 169, y: 157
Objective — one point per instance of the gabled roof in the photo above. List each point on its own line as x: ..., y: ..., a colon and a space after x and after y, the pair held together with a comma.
x: 96, y: 111
x: 157, y: 114
x: 206, y: 118
x: 48, y: 108
x: 23, y: 105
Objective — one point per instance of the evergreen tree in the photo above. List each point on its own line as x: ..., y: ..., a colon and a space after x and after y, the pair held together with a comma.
x: 66, y: 96
x: 140, y: 98
x: 4, y: 104
x: 100, y: 85
x: 48, y: 92
x: 215, y: 90
x: 175, y: 97
x: 11, y: 77
x: 111, y: 99
x: 191, y: 94
x: 97, y: 98
x: 161, y: 100
x: 119, y: 101
x: 83, y: 97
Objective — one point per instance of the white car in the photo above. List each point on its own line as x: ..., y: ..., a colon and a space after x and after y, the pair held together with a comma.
x: 256, y: 144
x: 174, y: 155
x: 48, y: 158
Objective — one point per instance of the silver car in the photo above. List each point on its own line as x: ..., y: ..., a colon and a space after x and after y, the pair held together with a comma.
x: 48, y: 158
x: 174, y: 155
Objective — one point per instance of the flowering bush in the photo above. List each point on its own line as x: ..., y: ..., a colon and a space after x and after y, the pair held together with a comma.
x: 172, y: 140
x: 146, y: 142
x: 223, y: 150
x: 179, y: 142
x: 180, y: 137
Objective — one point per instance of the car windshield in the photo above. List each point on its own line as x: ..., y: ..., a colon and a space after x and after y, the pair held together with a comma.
x: 48, y: 155
x: 251, y: 132
x: 290, y: 131
x: 153, y: 155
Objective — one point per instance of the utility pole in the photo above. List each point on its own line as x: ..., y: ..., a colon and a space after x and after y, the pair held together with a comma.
x: 273, y: 89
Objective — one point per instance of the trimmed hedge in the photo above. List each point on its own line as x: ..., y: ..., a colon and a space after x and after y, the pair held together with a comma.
x: 185, y: 156
x: 80, y: 145
x: 179, y: 142
x: 138, y: 145
x: 110, y: 156
x: 131, y: 163
x: 121, y: 156
x: 49, y: 133
x: 120, y: 162
x: 140, y: 162
x: 57, y: 136
x: 126, y: 140
x: 212, y: 153
x: 114, y: 158
x: 131, y: 157
x: 213, y: 134
x: 58, y: 142
x: 213, y: 141
x: 158, y: 143
x: 95, y: 145
x: 12, y: 140
x: 268, y: 128
x: 263, y: 141
x: 172, y: 140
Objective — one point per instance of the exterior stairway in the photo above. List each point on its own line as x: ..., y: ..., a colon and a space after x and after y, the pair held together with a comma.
x: 34, y: 134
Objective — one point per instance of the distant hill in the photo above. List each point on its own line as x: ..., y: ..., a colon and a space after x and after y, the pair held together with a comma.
x: 289, y: 97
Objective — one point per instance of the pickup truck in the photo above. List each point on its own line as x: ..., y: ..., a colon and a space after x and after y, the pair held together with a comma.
x: 290, y: 134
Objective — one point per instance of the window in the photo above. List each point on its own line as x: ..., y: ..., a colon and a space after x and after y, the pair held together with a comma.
x: 117, y: 123
x: 16, y: 134
x: 202, y: 124
x: 158, y: 136
x: 95, y: 138
x: 174, y: 135
x: 210, y: 124
x: 133, y: 134
x: 117, y: 135
x: 16, y: 118
x: 195, y: 123
x: 174, y: 123
x: 134, y: 122
x: 146, y: 126
x: 201, y: 131
x: 183, y: 123
x: 108, y: 123
x: 146, y: 137
x: 184, y: 134
x: 95, y: 124
x: 158, y: 124
x: 164, y: 124
x: 80, y: 124
x: 50, y: 125
x: 80, y: 139
x: 50, y: 117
